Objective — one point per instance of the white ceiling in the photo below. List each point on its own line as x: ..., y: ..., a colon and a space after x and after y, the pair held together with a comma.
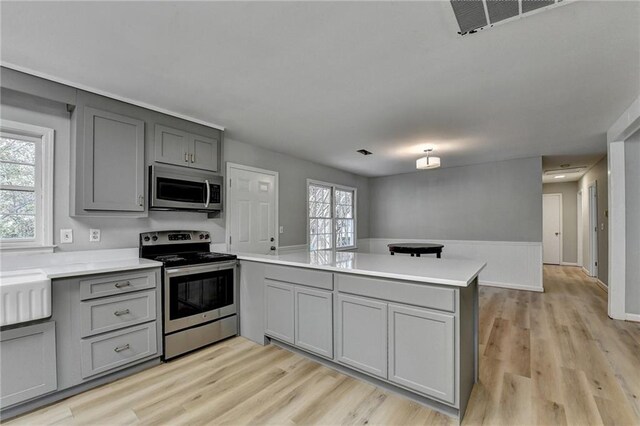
x: 319, y: 80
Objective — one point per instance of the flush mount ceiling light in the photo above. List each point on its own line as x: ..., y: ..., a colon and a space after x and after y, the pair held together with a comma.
x: 428, y: 162
x: 559, y: 177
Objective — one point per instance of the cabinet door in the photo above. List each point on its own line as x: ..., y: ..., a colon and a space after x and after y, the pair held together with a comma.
x: 421, y: 351
x: 171, y: 145
x: 113, y: 162
x: 279, y: 310
x: 314, y: 321
x: 28, y: 365
x: 362, y: 334
x: 203, y: 152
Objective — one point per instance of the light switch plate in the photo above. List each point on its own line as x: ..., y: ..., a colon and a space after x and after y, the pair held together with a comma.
x: 94, y: 235
x: 282, y: 229
x: 66, y: 236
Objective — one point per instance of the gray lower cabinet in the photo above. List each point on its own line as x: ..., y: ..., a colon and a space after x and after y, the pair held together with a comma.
x: 279, y: 310
x: 422, y: 352
x: 112, y: 162
x: 361, y: 328
x: 174, y: 146
x: 28, y: 362
x: 314, y: 320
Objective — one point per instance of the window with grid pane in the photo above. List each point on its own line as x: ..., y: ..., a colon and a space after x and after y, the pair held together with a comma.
x: 331, y: 215
x: 24, y: 208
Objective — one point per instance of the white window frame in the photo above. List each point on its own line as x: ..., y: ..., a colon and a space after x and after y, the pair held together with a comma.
x: 333, y: 187
x: 43, y: 186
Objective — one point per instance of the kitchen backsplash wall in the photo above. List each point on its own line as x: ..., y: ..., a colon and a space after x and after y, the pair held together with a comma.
x: 123, y: 232
x: 497, y: 201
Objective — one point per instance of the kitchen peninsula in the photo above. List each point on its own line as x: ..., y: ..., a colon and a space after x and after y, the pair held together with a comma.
x: 402, y: 323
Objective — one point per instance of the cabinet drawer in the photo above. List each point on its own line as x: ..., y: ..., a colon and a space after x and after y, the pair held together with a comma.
x: 102, y: 315
x: 308, y: 277
x: 424, y: 295
x: 118, y: 348
x: 108, y: 285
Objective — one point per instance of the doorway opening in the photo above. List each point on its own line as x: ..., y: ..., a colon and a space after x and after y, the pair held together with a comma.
x: 552, y: 229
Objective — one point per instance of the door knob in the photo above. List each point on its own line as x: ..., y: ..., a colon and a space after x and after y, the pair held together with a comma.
x: 273, y: 248
x: 557, y: 233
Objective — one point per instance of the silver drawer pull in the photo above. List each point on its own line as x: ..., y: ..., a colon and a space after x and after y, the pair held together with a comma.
x: 123, y: 284
x: 122, y: 348
x: 122, y: 312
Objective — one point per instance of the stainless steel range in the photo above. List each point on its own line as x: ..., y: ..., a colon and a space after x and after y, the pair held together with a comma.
x: 200, y: 296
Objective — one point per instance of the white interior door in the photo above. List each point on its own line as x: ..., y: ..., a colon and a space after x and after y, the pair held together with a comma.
x: 552, y: 228
x: 593, y: 230
x: 252, y: 221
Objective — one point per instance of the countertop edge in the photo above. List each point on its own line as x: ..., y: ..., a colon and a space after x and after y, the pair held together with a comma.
x: 100, y: 270
x: 414, y: 278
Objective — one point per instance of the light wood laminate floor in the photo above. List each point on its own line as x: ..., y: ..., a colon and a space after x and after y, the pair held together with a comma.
x: 546, y: 358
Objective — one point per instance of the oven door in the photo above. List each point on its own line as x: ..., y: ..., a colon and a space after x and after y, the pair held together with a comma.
x: 173, y: 188
x: 198, y: 294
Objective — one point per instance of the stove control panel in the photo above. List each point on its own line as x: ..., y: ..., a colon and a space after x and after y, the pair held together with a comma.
x: 174, y: 237
x: 179, y: 237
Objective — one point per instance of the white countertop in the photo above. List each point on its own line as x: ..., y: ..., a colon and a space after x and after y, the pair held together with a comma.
x: 72, y: 264
x: 451, y: 272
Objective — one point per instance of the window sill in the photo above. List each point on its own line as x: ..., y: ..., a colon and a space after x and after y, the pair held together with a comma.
x: 20, y: 249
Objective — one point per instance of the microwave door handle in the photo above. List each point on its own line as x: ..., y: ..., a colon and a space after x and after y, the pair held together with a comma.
x: 206, y: 203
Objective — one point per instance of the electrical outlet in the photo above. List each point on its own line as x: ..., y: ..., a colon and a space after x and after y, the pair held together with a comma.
x: 282, y: 229
x: 94, y: 235
x: 66, y: 236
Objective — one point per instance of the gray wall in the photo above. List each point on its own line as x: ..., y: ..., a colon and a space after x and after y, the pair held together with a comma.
x: 293, y: 174
x: 499, y: 201
x: 123, y: 232
x: 632, y: 222
x: 598, y: 174
x: 569, y: 191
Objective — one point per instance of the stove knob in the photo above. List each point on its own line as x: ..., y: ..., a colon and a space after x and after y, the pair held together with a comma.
x: 201, y: 236
x: 154, y: 238
x: 146, y: 238
x: 206, y: 236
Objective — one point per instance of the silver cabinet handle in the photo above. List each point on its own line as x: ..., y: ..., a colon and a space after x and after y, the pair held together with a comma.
x: 141, y: 200
x: 193, y: 158
x: 206, y: 202
x: 121, y: 312
x: 121, y: 348
x: 123, y: 284
x: 186, y: 157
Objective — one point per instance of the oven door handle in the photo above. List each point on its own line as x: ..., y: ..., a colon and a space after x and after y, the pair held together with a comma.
x: 206, y: 203
x: 197, y: 268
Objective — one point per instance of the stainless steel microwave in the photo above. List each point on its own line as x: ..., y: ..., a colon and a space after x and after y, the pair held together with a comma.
x: 180, y: 188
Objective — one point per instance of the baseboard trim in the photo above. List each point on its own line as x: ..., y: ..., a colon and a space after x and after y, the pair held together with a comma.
x: 602, y: 285
x: 586, y: 271
x: 512, y: 286
x: 632, y: 317
x: 569, y: 264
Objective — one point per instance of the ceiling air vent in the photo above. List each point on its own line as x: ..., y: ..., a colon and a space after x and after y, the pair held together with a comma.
x: 364, y: 152
x: 475, y: 15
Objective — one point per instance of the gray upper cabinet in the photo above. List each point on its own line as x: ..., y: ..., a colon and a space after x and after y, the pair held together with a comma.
x: 314, y: 320
x: 113, y: 162
x: 174, y: 146
x: 362, y: 334
x: 421, y: 351
x: 279, y: 315
x: 204, y: 152
x: 28, y: 365
x: 171, y: 145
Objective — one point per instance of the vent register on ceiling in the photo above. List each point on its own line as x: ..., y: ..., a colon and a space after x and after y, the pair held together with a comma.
x: 474, y: 15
